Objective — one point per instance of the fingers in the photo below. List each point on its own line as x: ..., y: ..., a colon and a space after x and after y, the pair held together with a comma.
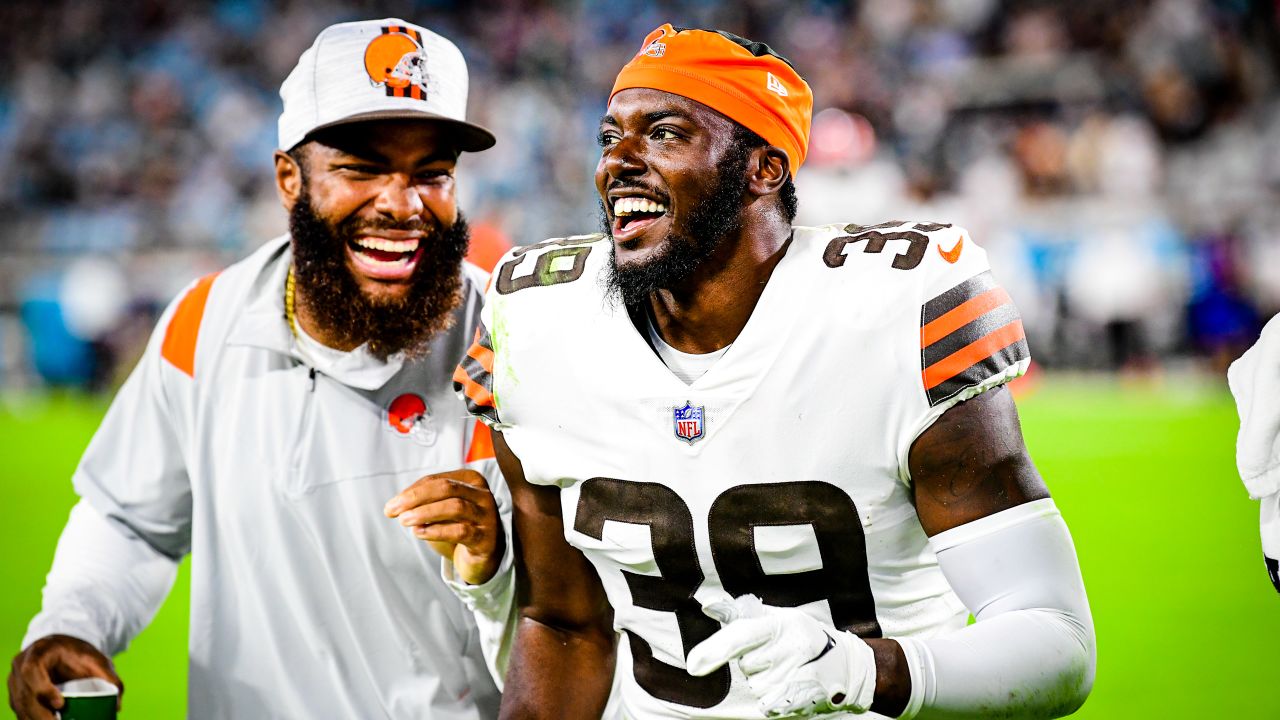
x: 464, y: 484
x: 50, y: 660
x: 452, y: 509
x: 31, y: 693
x: 730, y: 642
x: 476, y: 538
x: 73, y: 665
x: 756, y: 660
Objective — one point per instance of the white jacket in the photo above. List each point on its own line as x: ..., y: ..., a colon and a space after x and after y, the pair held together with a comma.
x: 306, y: 601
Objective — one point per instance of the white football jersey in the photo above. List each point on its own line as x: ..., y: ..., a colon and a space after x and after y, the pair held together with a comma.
x: 780, y: 472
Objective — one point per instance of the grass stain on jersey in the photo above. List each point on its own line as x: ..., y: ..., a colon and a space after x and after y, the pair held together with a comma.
x: 498, y: 336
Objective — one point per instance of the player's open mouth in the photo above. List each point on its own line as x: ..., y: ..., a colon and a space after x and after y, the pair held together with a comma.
x: 633, y: 214
x: 386, y: 258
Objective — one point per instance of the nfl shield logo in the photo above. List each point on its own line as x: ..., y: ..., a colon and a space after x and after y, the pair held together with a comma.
x: 688, y: 422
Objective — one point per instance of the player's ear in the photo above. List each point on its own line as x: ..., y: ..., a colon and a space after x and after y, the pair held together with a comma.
x: 288, y: 179
x: 769, y: 170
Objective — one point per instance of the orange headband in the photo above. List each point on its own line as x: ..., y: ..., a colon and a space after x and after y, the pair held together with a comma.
x: 745, y: 82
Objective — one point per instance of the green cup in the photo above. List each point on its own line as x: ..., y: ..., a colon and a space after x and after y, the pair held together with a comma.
x: 89, y: 699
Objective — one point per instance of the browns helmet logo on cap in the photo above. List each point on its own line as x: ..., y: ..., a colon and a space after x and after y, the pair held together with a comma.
x: 396, y: 60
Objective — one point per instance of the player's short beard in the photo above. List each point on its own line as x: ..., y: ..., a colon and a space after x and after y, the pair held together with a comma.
x: 334, y: 300
x: 702, y: 231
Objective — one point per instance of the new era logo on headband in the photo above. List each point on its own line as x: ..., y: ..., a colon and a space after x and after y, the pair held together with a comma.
x: 776, y: 85
x: 656, y: 49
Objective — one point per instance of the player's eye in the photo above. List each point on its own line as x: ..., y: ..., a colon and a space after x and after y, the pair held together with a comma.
x: 664, y: 133
x: 607, y: 138
x: 432, y: 177
x: 359, y: 169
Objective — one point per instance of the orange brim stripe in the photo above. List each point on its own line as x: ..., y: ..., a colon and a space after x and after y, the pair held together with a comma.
x: 482, y: 355
x: 973, y: 353
x: 179, y: 346
x: 481, y: 444
x: 473, y: 390
x: 963, y: 314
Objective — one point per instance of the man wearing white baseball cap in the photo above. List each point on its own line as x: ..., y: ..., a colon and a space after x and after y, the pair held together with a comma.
x: 292, y: 426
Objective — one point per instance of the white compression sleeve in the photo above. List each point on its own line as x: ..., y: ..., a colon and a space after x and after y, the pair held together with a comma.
x: 104, y: 586
x: 1031, y: 652
x: 1270, y: 525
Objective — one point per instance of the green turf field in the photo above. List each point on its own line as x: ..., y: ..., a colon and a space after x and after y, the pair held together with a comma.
x: 1187, y: 621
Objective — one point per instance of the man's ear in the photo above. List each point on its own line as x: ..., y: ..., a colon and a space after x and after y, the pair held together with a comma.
x: 769, y: 171
x: 288, y: 179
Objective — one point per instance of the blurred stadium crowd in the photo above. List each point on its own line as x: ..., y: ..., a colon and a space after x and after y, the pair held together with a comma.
x: 1120, y: 161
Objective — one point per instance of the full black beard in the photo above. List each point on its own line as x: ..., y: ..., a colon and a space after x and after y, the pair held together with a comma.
x: 334, y: 299
x: 688, y: 244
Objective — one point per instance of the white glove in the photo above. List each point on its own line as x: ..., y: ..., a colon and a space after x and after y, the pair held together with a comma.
x: 794, y: 665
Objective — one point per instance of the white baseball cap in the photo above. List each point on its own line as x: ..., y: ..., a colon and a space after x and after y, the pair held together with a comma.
x: 374, y: 70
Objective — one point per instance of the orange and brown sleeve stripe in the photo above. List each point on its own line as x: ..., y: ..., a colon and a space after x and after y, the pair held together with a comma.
x: 473, y: 378
x: 968, y: 334
x: 179, y: 346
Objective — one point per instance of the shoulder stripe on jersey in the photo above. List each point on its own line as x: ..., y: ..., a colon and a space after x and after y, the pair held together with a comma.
x: 984, y: 323
x: 968, y: 334
x: 179, y: 346
x: 976, y: 373
x: 956, y: 296
x: 481, y: 444
x: 473, y: 377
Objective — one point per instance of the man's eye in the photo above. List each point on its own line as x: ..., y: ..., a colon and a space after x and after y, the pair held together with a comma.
x: 359, y: 169
x: 433, y: 176
x: 665, y: 134
x: 607, y: 138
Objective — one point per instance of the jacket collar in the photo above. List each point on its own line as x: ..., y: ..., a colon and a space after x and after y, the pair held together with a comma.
x: 262, y: 324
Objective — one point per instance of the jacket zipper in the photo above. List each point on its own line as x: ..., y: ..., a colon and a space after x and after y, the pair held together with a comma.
x: 304, y: 423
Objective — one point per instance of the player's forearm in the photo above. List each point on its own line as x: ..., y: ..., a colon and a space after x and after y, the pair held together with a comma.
x: 557, y: 673
x: 1031, y: 653
x: 104, y: 587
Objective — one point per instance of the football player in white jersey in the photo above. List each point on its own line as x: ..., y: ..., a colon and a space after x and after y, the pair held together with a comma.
x: 778, y: 461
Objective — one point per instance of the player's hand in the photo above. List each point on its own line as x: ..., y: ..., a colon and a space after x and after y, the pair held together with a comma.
x: 794, y: 664
x: 45, y: 663
x: 456, y: 514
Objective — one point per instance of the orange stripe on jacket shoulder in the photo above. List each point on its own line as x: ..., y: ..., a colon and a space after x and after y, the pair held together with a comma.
x: 179, y: 346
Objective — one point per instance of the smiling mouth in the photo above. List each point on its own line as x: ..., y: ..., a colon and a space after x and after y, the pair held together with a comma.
x: 384, y: 258
x: 631, y: 215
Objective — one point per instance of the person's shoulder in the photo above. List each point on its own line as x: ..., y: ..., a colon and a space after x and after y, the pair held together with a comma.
x: 206, y: 308
x: 551, y: 269
x: 231, y: 287
x: 475, y: 281
x: 932, y: 283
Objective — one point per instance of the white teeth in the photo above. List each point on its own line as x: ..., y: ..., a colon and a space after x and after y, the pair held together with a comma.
x: 400, y: 246
x: 402, y: 262
x: 632, y: 205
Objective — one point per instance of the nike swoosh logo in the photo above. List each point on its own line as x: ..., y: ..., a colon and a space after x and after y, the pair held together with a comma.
x: 831, y: 643
x: 953, y: 254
